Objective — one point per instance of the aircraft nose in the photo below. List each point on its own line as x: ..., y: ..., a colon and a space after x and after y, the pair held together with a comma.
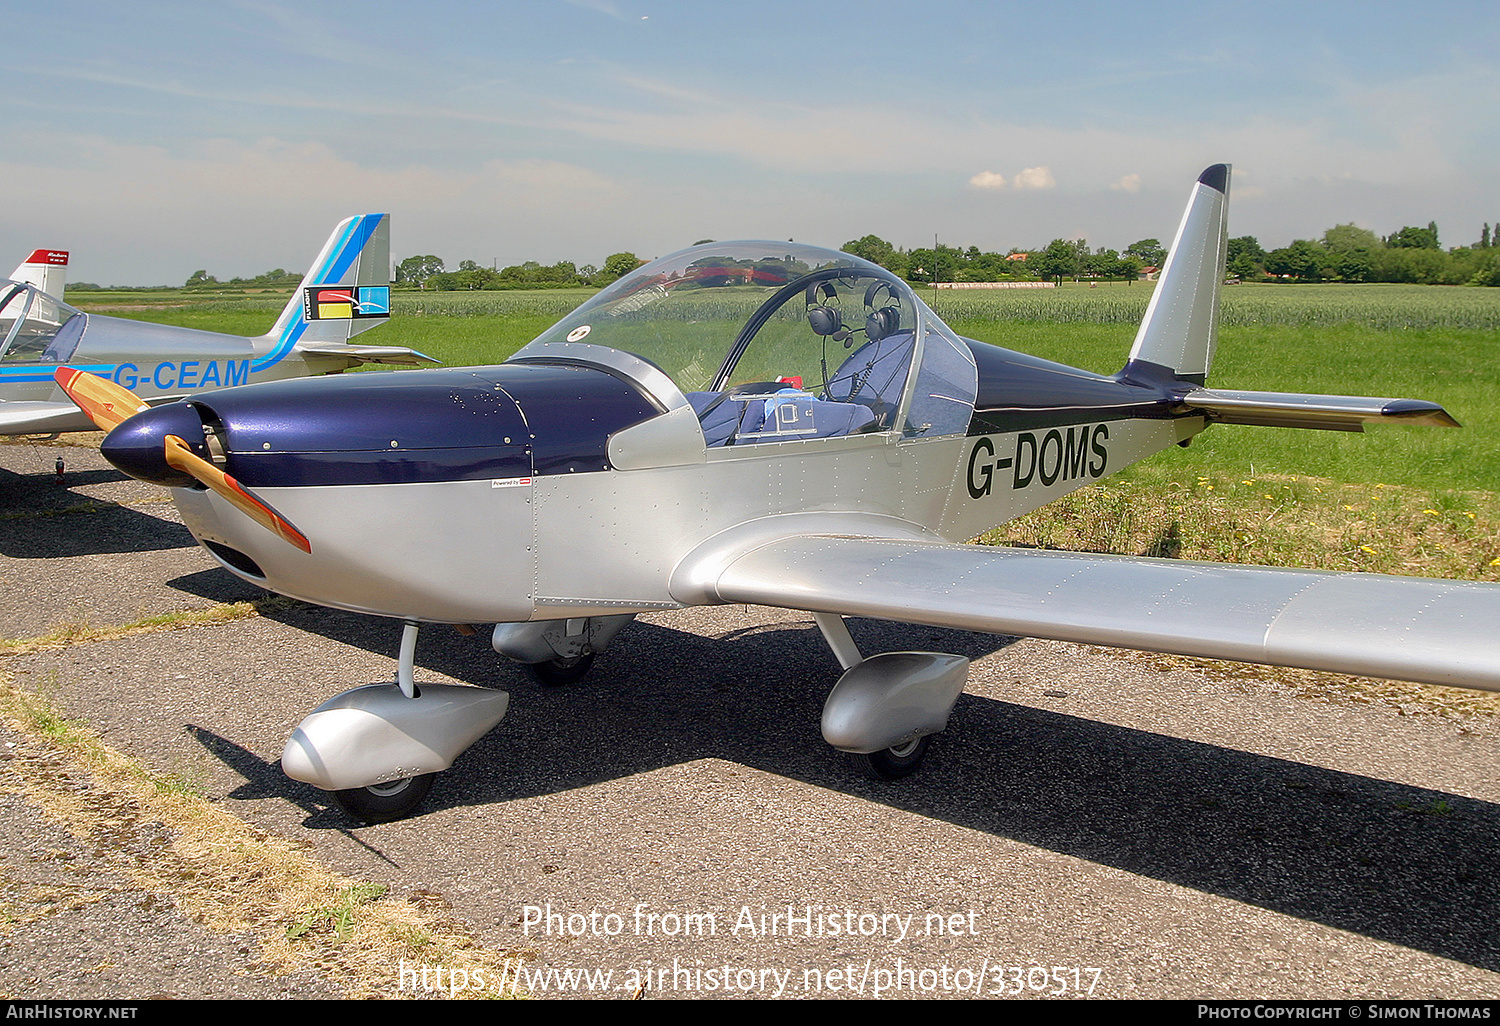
x: 138, y: 445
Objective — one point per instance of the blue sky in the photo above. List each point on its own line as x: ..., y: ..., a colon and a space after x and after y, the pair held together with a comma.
x: 153, y: 139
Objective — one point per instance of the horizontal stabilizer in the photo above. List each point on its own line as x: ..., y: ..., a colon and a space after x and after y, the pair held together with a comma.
x: 1330, y: 412
x: 356, y: 355
x: 1402, y: 628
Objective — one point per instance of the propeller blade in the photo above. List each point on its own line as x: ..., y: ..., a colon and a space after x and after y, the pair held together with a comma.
x: 180, y: 457
x: 106, y: 403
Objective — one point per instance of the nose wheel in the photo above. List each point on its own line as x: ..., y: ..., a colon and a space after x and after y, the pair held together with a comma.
x: 557, y: 672
x: 895, y: 762
x: 381, y: 803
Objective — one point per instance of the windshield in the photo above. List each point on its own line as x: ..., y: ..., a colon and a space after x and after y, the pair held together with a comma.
x: 36, y: 328
x: 778, y: 341
x: 686, y: 312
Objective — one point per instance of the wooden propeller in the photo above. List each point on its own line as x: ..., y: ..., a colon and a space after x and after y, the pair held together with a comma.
x: 106, y: 403
x: 109, y: 404
x: 180, y: 457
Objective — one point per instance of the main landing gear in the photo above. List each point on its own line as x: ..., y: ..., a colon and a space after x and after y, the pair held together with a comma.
x: 884, y: 710
x: 377, y: 748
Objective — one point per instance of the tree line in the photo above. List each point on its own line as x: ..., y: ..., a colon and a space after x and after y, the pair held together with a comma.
x: 1349, y: 253
x: 1343, y: 253
x: 427, y: 272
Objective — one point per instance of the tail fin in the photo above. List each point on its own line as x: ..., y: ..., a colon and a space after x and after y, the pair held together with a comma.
x: 347, y: 291
x: 1181, y: 326
x: 47, y: 269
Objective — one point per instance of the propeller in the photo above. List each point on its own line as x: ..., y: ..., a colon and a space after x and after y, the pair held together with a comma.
x: 210, y: 476
x: 108, y: 405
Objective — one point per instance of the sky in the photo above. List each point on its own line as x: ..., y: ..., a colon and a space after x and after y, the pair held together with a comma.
x: 155, y: 139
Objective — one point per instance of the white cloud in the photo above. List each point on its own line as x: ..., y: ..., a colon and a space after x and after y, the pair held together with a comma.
x: 1129, y: 183
x: 987, y: 180
x: 1036, y: 178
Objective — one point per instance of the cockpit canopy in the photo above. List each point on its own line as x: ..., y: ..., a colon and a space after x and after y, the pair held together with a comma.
x: 777, y: 341
x: 35, y: 327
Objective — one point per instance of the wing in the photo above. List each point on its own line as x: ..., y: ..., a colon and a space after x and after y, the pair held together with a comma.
x: 1404, y: 628
x: 41, y: 418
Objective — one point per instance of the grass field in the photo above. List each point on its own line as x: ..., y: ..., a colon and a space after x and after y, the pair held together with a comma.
x: 1399, y: 500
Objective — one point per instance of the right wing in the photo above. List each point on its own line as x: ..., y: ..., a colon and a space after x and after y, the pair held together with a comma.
x: 1403, y: 628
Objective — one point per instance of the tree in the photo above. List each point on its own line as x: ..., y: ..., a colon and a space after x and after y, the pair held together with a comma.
x: 1302, y: 260
x: 1245, y: 257
x: 1346, y: 238
x: 200, y: 277
x: 415, y: 270
x: 939, y: 263
x: 876, y: 250
x: 1149, y: 251
x: 1059, y: 260
x: 1415, y: 238
x: 617, y: 265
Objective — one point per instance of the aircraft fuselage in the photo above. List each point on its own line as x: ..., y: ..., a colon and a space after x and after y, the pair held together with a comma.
x: 556, y: 490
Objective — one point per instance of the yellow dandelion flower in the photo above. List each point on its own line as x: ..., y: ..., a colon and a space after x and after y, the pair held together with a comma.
x: 1366, y: 548
x: 1432, y: 512
x: 1348, y: 507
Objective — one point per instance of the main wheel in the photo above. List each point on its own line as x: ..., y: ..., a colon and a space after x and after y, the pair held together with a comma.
x: 895, y: 762
x: 557, y: 672
x: 381, y: 803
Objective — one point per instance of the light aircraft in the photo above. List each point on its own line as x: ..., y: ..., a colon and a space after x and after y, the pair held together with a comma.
x: 762, y: 423
x: 47, y: 269
x: 346, y: 292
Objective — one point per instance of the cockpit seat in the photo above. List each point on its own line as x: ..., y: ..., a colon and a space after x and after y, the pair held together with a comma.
x: 874, y: 374
x: 787, y: 415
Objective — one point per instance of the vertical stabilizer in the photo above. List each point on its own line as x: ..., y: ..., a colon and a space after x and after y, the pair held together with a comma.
x: 1181, y: 326
x: 347, y: 291
x: 47, y: 269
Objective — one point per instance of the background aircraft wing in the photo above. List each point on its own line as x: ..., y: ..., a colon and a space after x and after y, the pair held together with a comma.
x: 41, y: 418
x: 1403, y: 628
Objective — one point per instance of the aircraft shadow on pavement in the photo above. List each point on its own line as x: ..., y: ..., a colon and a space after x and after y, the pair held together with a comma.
x: 1403, y: 864
x: 45, y: 520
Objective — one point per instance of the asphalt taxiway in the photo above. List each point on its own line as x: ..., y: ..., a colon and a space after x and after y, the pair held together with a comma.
x: 674, y: 826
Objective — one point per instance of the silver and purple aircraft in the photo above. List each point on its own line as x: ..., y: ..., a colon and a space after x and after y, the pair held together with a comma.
x: 768, y: 423
x: 346, y: 292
